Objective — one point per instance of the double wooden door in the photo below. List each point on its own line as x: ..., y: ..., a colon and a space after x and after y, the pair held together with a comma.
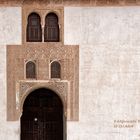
x: 42, y: 117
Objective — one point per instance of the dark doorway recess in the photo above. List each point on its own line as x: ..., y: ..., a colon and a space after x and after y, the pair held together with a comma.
x: 42, y: 117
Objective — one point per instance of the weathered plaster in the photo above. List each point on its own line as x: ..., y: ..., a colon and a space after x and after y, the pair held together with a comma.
x: 109, y: 70
x: 109, y: 73
x: 10, y: 33
x: 10, y: 25
x: 71, y: 2
x: 8, y: 130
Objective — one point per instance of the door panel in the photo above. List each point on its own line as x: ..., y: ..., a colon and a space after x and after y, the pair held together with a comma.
x: 42, y: 117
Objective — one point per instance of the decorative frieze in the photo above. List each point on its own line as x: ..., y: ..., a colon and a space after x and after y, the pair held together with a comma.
x: 18, y: 86
x: 58, y: 3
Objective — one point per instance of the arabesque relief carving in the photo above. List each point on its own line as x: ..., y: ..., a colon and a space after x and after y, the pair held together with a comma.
x: 42, y: 53
x: 25, y: 88
x: 70, y: 2
x: 19, y: 86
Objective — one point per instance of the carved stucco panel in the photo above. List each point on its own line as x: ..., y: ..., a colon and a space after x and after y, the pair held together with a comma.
x: 43, y: 54
x: 24, y: 88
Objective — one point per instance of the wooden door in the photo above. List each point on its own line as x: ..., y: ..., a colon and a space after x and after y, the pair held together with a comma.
x: 42, y: 117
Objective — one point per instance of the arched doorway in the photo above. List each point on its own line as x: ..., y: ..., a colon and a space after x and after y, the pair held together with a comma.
x: 42, y: 117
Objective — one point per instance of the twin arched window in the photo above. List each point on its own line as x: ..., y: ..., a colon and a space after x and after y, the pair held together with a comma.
x: 34, y: 30
x: 31, y: 70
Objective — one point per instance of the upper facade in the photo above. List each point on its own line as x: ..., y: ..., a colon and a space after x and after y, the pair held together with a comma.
x: 42, y: 60
x: 73, y: 2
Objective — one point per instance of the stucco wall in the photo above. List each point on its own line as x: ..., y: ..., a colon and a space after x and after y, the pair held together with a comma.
x: 10, y: 33
x: 109, y: 70
x: 10, y: 25
x: 109, y: 40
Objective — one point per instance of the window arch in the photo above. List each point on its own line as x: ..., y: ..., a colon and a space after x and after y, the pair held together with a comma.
x: 55, y: 70
x: 51, y: 30
x: 30, y: 70
x: 34, y: 31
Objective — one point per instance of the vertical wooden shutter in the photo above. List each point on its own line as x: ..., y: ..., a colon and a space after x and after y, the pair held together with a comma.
x: 30, y: 70
x: 34, y: 31
x: 51, y: 31
x: 55, y: 70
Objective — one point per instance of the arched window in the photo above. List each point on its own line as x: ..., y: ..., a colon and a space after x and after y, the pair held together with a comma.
x: 30, y: 70
x: 51, y: 31
x: 34, y: 32
x: 55, y: 69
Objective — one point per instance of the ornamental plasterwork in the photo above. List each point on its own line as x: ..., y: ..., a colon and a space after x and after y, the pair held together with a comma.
x: 43, y: 54
x: 51, y: 3
x: 24, y: 88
